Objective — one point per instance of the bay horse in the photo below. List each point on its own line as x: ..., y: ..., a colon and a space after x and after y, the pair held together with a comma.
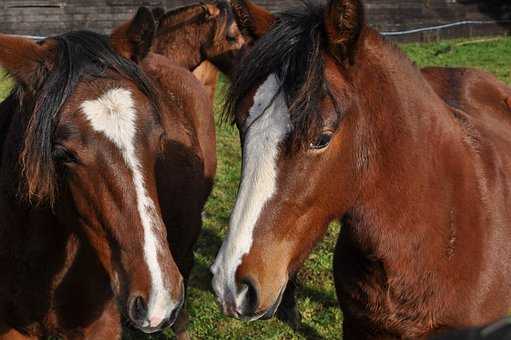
x: 468, y: 89
x: 337, y: 123
x: 203, y: 38
x: 92, y: 140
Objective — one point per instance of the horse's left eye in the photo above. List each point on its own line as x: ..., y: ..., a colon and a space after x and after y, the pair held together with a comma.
x: 63, y: 155
x: 322, y: 141
x: 231, y: 39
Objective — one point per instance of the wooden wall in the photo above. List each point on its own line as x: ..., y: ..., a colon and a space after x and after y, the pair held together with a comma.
x: 49, y: 17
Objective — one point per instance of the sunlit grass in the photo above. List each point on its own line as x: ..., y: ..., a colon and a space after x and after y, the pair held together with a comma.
x: 5, y: 85
x: 493, y: 55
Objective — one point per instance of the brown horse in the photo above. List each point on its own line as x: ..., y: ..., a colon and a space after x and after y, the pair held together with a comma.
x: 209, y: 33
x: 208, y: 75
x: 93, y: 151
x: 468, y: 89
x: 337, y: 123
x: 203, y: 38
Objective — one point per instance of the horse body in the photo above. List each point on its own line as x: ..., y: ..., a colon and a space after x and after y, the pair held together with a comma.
x: 167, y: 166
x: 420, y: 182
x: 473, y: 91
x: 406, y: 274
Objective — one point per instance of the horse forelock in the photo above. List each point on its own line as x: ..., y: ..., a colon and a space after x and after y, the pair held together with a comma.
x: 294, y: 51
x: 77, y: 54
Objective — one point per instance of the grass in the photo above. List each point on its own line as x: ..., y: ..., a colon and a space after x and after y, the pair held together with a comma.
x: 493, y: 55
x: 317, y: 302
x: 5, y: 85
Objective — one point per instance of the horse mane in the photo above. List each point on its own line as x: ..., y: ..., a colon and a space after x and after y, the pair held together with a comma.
x: 292, y: 51
x: 77, y: 55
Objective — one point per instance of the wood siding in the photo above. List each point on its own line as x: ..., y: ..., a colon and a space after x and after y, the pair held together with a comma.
x: 50, y: 17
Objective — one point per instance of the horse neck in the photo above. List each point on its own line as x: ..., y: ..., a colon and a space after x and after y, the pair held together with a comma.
x: 183, y: 45
x: 411, y: 150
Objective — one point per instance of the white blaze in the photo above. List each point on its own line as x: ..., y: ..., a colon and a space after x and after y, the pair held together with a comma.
x: 267, y: 124
x: 114, y: 115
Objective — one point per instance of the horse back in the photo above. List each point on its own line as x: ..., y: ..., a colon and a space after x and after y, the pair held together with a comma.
x: 476, y: 92
x: 479, y: 103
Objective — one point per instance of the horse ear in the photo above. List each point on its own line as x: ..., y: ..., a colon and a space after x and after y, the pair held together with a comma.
x: 133, y: 39
x: 253, y: 21
x: 23, y: 59
x: 211, y: 10
x: 344, y: 22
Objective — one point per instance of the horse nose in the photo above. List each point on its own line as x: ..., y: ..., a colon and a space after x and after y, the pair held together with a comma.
x: 248, y: 294
x: 137, y: 312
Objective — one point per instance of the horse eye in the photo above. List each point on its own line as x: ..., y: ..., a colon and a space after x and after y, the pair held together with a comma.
x: 63, y: 155
x: 322, y: 141
x: 231, y: 39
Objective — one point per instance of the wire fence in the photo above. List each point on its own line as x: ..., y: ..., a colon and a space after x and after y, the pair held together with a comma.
x: 396, y: 33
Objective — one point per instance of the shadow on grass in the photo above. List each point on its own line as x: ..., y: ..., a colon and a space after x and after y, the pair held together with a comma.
x: 207, y: 248
x: 319, y: 296
x: 308, y: 332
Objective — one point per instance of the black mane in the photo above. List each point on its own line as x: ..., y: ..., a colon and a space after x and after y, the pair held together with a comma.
x: 77, y: 55
x: 292, y: 51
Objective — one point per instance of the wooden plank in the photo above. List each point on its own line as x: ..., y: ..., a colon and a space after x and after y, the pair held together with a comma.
x: 50, y: 17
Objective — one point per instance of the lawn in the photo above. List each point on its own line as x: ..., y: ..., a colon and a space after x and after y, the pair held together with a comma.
x: 317, y: 302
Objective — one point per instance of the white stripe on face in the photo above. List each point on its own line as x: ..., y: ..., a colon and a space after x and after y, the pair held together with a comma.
x: 114, y: 115
x: 268, y: 124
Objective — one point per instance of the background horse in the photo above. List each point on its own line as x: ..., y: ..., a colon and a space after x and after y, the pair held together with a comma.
x: 203, y: 38
x: 83, y: 162
x: 337, y: 123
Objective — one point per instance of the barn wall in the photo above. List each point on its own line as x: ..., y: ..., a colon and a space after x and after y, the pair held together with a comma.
x: 49, y: 17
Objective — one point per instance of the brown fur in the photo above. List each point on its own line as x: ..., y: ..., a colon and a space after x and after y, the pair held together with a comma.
x: 201, y: 38
x: 420, y: 176
x: 196, y: 33
x: 58, y: 266
x: 208, y: 75
x: 469, y: 89
x: 252, y: 19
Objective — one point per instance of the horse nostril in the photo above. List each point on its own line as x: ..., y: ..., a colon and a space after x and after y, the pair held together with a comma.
x: 138, y: 310
x: 250, y: 302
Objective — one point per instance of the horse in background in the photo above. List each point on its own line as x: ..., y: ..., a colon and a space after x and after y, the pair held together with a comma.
x: 206, y: 72
x: 337, y: 123
x: 87, y: 155
x: 469, y: 89
x: 203, y: 38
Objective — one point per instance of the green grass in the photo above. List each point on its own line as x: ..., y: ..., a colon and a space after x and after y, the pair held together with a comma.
x: 5, y: 85
x: 317, y: 302
x: 493, y: 55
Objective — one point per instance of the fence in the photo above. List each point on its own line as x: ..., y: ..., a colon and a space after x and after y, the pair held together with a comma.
x: 405, y: 20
